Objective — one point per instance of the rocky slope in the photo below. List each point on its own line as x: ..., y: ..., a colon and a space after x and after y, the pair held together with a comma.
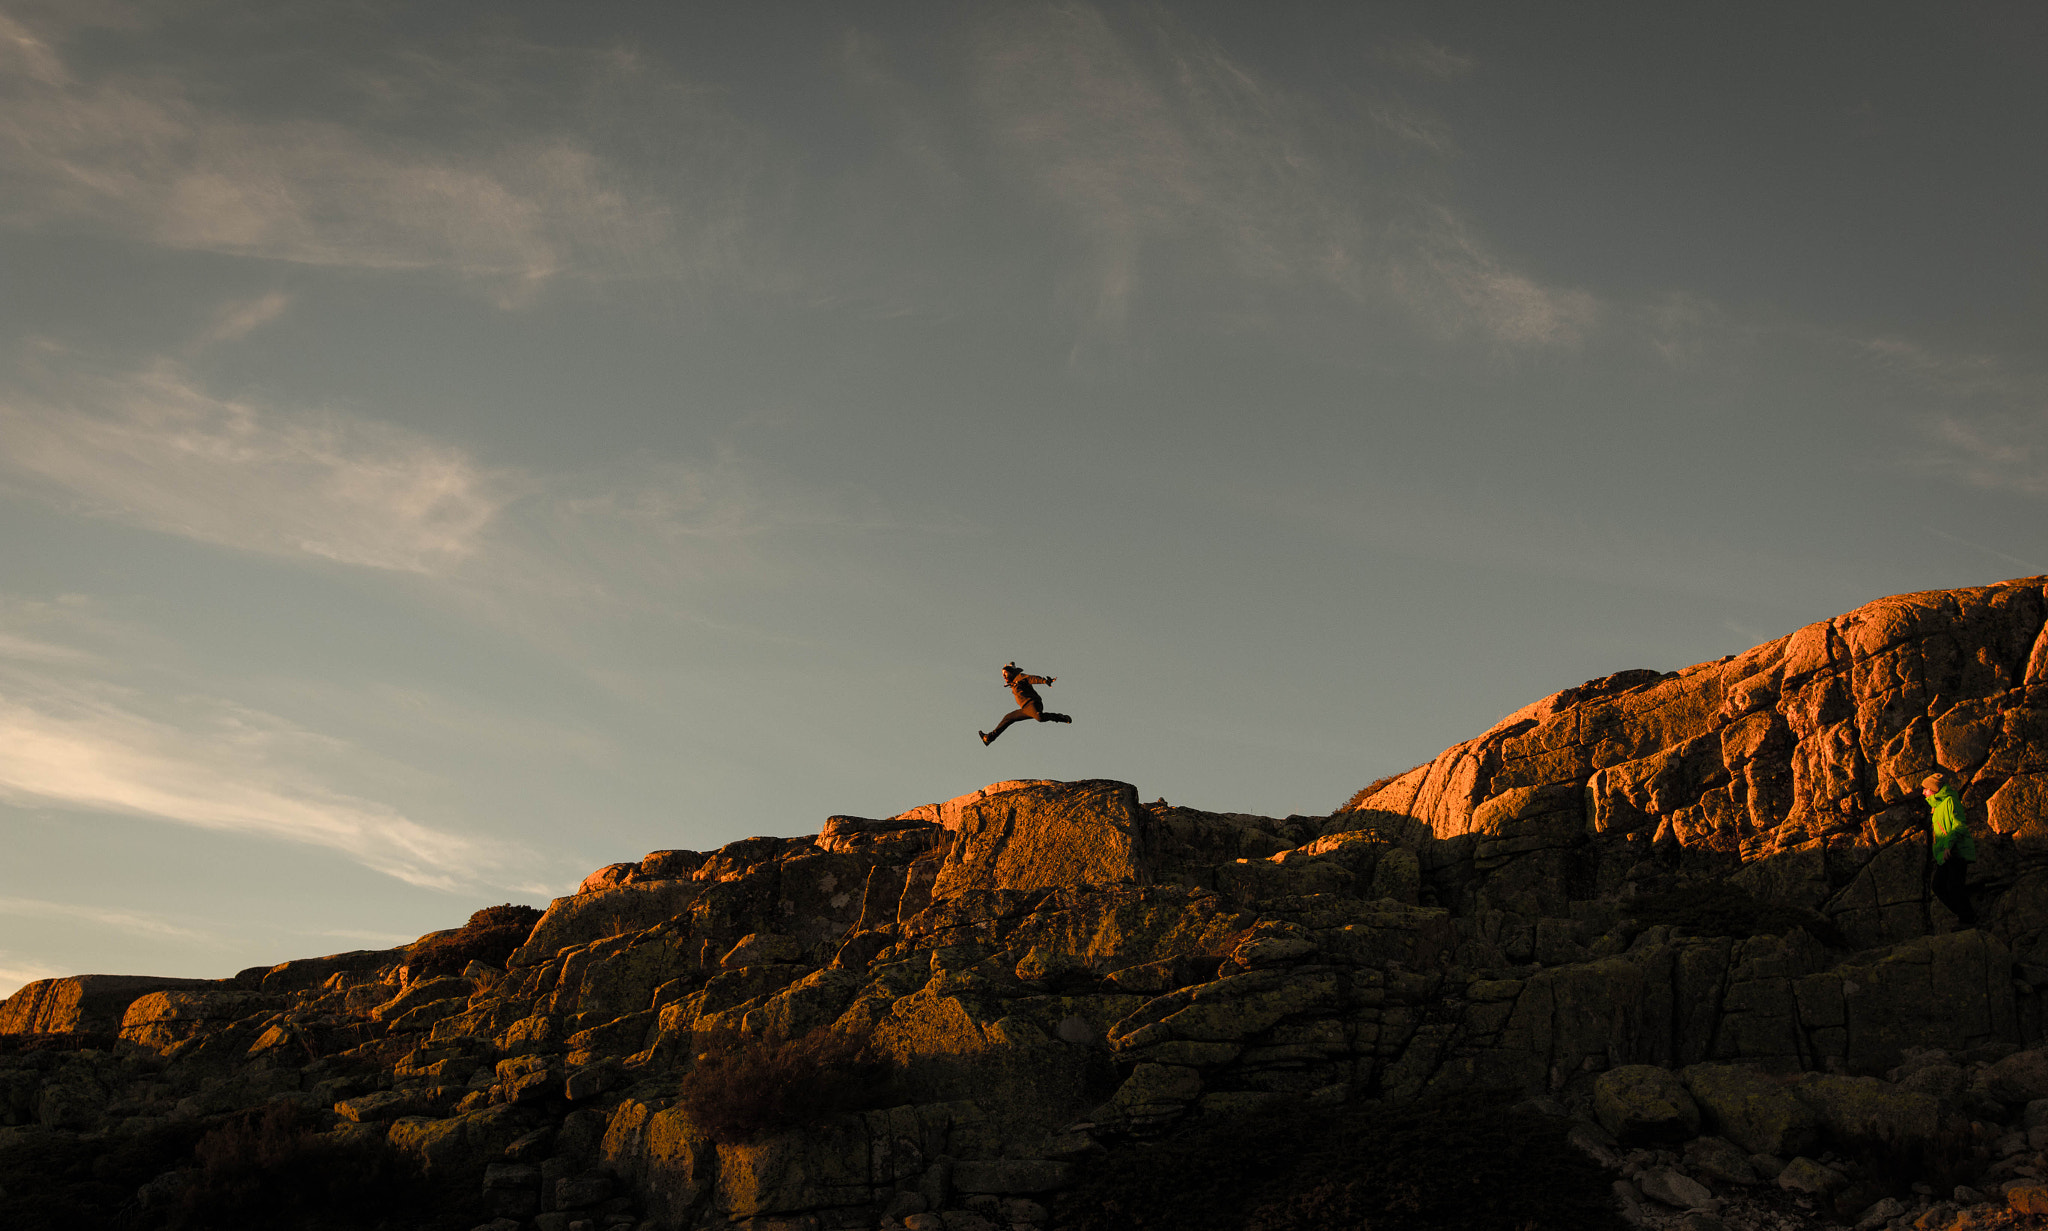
x: 1684, y: 916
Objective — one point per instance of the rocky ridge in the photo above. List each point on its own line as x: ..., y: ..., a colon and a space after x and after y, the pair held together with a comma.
x: 1685, y: 915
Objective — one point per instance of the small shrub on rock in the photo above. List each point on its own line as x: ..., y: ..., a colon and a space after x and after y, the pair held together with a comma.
x: 489, y: 937
x: 746, y: 1089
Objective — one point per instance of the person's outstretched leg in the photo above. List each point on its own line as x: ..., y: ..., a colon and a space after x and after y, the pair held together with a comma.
x: 989, y: 737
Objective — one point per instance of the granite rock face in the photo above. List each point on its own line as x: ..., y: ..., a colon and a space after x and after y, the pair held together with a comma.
x: 82, y: 1004
x: 1689, y: 909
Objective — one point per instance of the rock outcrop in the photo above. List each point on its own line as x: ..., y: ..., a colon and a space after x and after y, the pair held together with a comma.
x: 1687, y: 911
x: 81, y: 1004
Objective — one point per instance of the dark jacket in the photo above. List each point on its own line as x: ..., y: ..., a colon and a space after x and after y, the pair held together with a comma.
x: 1027, y: 696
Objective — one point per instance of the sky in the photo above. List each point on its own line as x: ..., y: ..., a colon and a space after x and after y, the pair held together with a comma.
x: 445, y: 449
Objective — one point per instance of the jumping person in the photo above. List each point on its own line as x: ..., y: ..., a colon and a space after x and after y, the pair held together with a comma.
x: 1954, y: 849
x: 1029, y: 705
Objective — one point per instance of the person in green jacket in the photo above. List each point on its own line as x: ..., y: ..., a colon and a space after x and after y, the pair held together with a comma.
x: 1954, y: 849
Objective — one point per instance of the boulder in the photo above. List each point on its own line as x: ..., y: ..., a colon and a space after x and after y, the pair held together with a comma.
x: 160, y: 1021
x: 1719, y: 1160
x: 1642, y: 1104
x: 302, y: 974
x: 792, y: 1172
x: 457, y: 1145
x: 1866, y: 1109
x: 1044, y: 836
x: 1753, y: 1109
x: 669, y: 865
x: 584, y: 917
x: 1673, y: 1188
x: 2019, y: 1078
x: 84, y: 1004
x: 1397, y: 875
x: 1152, y: 1091
x: 423, y: 992
x: 378, y: 1105
x: 758, y: 948
x: 609, y: 876
x: 1803, y: 1175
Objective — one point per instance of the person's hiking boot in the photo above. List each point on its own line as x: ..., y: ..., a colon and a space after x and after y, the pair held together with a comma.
x: 984, y: 738
x: 1059, y: 718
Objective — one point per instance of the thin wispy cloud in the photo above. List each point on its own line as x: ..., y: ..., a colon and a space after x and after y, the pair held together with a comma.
x: 83, y: 744
x: 1153, y: 140
x: 1984, y: 415
x: 237, y: 320
x: 2006, y: 452
x: 144, y: 161
x: 1414, y: 125
x: 28, y: 649
x: 139, y: 922
x: 1449, y: 279
x: 153, y: 449
x: 138, y: 153
x: 24, y: 53
x: 2030, y: 566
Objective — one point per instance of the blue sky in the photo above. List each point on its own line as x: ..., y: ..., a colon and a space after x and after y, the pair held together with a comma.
x: 444, y: 450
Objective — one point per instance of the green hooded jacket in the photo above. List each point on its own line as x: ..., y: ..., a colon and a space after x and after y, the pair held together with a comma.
x: 1949, y: 828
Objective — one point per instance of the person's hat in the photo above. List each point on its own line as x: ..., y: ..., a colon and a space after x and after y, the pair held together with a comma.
x: 1934, y: 780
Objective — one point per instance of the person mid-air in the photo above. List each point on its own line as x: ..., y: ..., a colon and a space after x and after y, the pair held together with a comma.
x: 1029, y: 705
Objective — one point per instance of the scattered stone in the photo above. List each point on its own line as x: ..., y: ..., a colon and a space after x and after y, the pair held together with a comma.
x: 1718, y: 1159
x: 380, y: 1105
x: 1594, y: 1143
x: 2028, y: 1199
x: 1673, y: 1187
x: 1879, y: 1214
x: 1630, y: 1198
x: 1941, y: 1216
x: 511, y: 1175
x: 1803, y: 1175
